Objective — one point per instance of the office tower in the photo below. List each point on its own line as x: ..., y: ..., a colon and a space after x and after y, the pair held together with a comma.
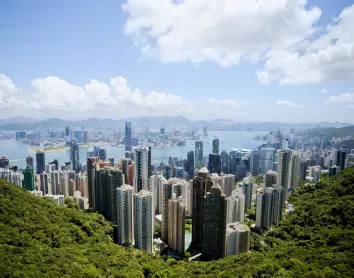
x: 40, y: 162
x: 198, y: 153
x: 79, y: 136
x: 75, y: 156
x: 131, y: 174
x: 29, y: 161
x: 224, y: 162
x: 205, y: 131
x: 201, y: 184
x: 91, y: 173
x: 237, y: 239
x: 254, y: 162
x: 241, y: 172
x: 283, y: 157
x: 128, y: 136
x: 28, y: 179
x: 214, y: 165
x: 214, y: 223
x: 235, y: 207
x: 216, y: 146
x: 270, y: 178
x: 176, y: 225
x: 143, y: 220
x: 44, y: 186
x: 303, y: 169
x: 67, y: 135
x: 112, y: 161
x: 72, y: 187
x: 294, y: 171
x: 64, y: 184
x: 102, y: 154
x: 169, y: 171
x: 341, y: 156
x: 190, y: 164
x: 86, y: 137
x: 129, y: 154
x: 142, y: 169
x: 234, y: 160
x: 96, y: 151
x: 266, y: 159
x: 55, y: 182
x: 166, y: 196
x: 247, y: 189
x: 125, y: 214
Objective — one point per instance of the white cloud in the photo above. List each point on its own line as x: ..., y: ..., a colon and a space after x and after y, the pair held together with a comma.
x: 8, y: 91
x: 227, y: 103
x: 343, y: 98
x: 329, y: 57
x: 323, y: 91
x: 289, y: 103
x: 350, y: 106
x: 222, y: 31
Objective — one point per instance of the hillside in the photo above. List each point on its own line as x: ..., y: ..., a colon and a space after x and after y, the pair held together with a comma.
x: 332, y: 131
x: 40, y: 239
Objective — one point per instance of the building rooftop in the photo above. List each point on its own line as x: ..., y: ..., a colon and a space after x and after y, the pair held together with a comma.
x: 203, y: 170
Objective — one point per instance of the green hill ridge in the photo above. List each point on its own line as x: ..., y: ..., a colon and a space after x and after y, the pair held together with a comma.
x: 41, y: 239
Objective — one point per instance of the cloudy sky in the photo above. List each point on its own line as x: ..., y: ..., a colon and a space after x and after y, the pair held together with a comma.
x: 265, y: 60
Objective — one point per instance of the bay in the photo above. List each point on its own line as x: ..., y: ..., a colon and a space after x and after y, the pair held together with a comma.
x: 17, y: 152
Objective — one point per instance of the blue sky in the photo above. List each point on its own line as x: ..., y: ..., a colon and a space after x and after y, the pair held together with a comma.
x: 206, y: 61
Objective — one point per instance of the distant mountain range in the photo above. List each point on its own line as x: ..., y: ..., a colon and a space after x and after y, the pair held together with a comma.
x: 22, y: 123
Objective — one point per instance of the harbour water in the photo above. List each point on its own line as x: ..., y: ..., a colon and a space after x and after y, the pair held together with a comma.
x: 17, y: 152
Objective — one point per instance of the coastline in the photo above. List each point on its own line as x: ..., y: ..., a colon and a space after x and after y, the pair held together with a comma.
x: 49, y: 149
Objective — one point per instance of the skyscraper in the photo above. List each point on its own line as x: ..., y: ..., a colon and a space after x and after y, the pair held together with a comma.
x: 91, y: 173
x: 75, y: 156
x: 225, y: 162
x: 142, y: 169
x: 44, y: 186
x: 270, y: 178
x: 176, y: 225
x: 190, y: 164
x: 143, y: 220
x: 214, y: 223
x: 294, y: 171
x: 237, y: 239
x: 28, y: 179
x: 284, y: 157
x: 266, y: 159
x: 236, y: 207
x: 201, y: 184
x: 29, y: 161
x: 254, y: 162
x: 216, y: 146
x: 125, y: 214
x: 247, y: 189
x: 55, y: 182
x: 341, y: 156
x: 198, y: 153
x: 40, y: 162
x: 303, y: 169
x: 128, y: 136
x: 68, y: 135
x: 102, y: 154
x: 166, y: 196
x: 214, y: 165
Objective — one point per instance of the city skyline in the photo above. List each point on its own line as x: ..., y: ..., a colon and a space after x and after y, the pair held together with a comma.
x: 92, y: 59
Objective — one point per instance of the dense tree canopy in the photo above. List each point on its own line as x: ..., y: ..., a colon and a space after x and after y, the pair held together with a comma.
x: 41, y: 239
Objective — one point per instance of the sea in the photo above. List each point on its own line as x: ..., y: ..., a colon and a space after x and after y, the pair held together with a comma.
x: 16, y: 152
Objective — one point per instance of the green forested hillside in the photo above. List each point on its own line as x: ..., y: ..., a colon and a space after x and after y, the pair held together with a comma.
x: 40, y: 239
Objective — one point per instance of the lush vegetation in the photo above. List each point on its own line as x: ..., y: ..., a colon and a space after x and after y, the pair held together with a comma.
x: 40, y: 239
x: 332, y: 131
